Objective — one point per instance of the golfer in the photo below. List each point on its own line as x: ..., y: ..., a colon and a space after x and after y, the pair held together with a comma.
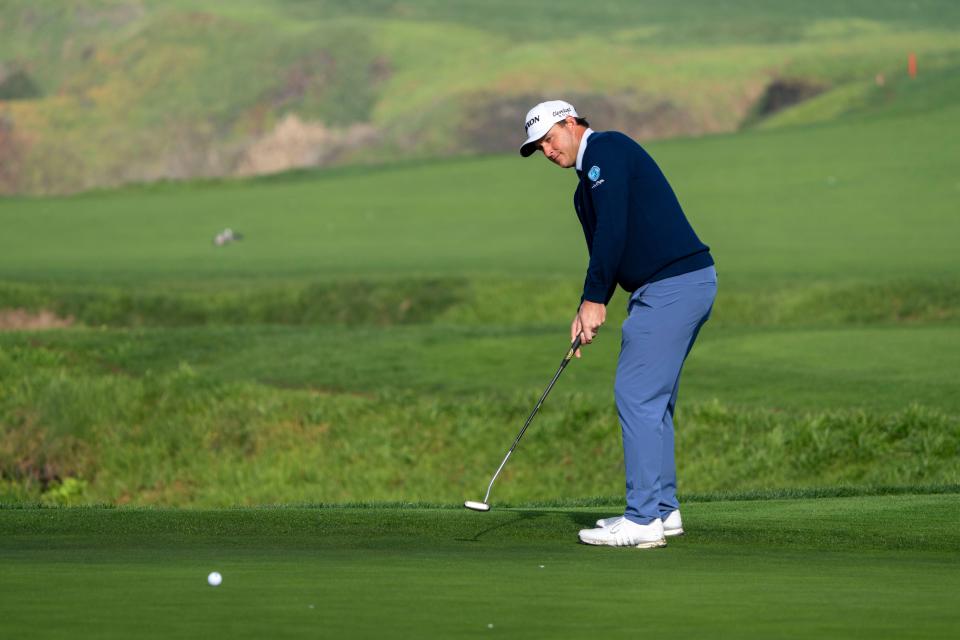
x: 638, y: 237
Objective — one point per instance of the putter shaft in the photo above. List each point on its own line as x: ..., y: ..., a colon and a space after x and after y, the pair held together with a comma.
x: 563, y: 365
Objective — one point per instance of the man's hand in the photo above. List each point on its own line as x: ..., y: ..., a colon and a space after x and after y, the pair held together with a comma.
x: 587, y: 322
x: 575, y: 331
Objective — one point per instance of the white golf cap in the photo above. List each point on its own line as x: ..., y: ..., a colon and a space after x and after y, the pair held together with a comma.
x: 540, y: 119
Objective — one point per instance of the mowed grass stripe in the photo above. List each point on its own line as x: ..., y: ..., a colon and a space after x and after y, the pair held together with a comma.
x: 529, y: 592
x: 860, y: 523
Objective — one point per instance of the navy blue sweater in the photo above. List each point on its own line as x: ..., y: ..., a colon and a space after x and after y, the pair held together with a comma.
x: 636, y: 231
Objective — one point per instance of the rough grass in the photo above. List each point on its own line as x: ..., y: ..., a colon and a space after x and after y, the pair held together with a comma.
x: 881, y: 367
x: 73, y: 435
x: 469, y: 301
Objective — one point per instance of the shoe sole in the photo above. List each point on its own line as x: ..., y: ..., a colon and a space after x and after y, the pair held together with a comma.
x: 654, y: 544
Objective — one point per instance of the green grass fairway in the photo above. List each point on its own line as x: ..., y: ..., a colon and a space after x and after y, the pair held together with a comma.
x: 878, y: 566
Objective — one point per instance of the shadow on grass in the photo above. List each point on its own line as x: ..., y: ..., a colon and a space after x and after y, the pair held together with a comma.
x: 521, y: 517
x: 578, y: 520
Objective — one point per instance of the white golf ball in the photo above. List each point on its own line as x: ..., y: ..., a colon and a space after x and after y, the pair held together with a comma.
x: 214, y: 579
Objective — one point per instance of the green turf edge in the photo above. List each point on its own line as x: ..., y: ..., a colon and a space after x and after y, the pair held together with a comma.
x: 596, y: 501
x: 802, y: 493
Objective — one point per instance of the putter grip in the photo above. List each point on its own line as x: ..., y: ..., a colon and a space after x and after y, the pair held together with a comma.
x: 573, y: 348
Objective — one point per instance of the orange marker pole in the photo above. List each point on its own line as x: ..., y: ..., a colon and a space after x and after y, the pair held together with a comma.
x: 912, y: 65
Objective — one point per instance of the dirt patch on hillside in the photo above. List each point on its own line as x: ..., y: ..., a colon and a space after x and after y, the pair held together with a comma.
x: 314, y: 71
x: 12, y: 154
x: 24, y: 320
x: 115, y: 15
x: 493, y: 126
x: 639, y: 116
x: 294, y: 143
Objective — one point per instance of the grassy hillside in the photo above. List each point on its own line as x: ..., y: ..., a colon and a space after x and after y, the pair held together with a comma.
x: 855, y: 200
x: 113, y: 91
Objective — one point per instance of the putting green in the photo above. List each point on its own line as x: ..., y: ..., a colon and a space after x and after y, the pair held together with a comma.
x: 867, y: 566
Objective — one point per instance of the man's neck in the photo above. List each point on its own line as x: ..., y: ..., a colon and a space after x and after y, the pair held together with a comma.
x: 584, y: 133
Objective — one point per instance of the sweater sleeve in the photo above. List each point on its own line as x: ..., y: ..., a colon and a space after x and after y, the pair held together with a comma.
x: 608, y: 186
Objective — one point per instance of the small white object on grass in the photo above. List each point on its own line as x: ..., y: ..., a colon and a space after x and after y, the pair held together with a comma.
x: 214, y: 579
x: 226, y: 236
x: 490, y: 626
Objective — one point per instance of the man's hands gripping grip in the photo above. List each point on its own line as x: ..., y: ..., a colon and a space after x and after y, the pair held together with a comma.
x: 587, y: 322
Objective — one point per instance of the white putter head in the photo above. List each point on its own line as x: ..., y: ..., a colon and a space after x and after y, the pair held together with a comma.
x: 476, y: 506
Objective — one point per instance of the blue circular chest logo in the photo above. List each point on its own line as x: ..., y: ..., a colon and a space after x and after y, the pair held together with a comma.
x: 594, y: 173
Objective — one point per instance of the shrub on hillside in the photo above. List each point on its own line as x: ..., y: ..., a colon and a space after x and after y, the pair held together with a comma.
x: 18, y: 85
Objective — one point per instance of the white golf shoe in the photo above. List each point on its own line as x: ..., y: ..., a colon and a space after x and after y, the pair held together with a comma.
x: 606, y: 522
x: 672, y: 526
x: 626, y: 533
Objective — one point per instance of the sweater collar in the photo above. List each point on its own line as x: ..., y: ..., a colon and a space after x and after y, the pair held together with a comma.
x: 582, y: 149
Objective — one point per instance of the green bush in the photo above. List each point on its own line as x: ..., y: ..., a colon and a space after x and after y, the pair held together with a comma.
x: 18, y: 85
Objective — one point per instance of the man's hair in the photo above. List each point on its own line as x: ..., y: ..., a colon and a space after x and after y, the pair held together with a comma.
x: 580, y: 121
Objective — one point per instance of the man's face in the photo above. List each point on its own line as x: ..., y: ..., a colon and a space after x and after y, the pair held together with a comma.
x: 561, y: 144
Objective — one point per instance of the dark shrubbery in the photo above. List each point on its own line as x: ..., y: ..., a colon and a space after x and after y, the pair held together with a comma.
x: 18, y: 85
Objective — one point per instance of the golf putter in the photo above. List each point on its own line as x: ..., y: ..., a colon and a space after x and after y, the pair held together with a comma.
x: 485, y: 505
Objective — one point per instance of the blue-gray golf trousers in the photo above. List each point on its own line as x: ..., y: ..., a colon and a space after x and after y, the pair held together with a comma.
x: 663, y: 319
